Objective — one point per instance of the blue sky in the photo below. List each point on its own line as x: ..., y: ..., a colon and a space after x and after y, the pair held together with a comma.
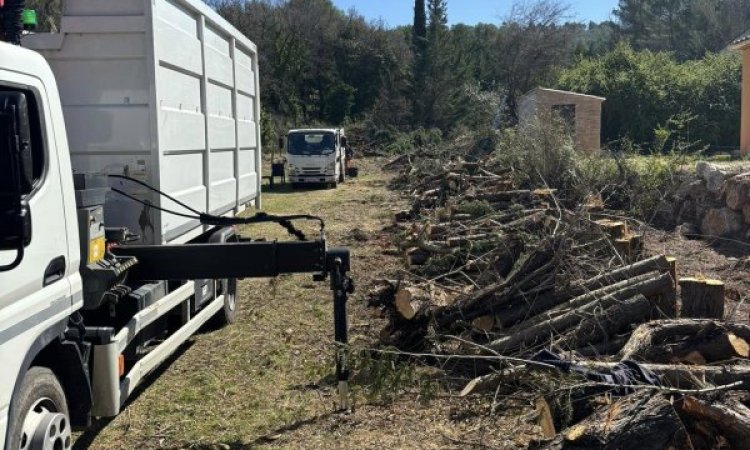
x: 399, y: 12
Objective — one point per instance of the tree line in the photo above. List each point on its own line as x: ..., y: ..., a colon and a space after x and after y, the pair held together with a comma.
x: 662, y: 65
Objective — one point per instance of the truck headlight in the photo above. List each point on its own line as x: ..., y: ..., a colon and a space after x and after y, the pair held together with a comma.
x: 293, y: 169
x: 331, y: 167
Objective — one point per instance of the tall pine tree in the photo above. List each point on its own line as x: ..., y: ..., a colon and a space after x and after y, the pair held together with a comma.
x: 447, y: 72
x: 419, y: 44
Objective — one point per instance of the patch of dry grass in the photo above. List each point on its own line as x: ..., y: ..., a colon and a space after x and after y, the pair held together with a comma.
x: 259, y: 375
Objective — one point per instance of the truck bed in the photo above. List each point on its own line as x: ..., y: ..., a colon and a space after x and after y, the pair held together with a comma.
x: 165, y: 91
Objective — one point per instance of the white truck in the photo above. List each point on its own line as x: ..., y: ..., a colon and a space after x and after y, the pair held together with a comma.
x: 316, y: 156
x: 129, y: 143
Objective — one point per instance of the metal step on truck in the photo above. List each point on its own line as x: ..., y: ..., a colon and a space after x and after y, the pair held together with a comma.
x: 129, y: 144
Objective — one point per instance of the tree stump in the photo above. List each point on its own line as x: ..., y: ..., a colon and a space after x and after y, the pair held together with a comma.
x: 629, y: 247
x: 702, y: 298
x: 615, y: 229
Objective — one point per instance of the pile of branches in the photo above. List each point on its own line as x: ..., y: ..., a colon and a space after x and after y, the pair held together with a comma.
x: 514, y: 282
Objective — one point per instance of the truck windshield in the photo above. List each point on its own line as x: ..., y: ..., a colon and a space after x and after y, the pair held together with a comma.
x: 311, y: 144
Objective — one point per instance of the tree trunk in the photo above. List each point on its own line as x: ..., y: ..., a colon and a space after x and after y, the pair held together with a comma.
x: 702, y: 298
x: 653, y: 264
x: 640, y: 421
x: 605, y: 322
x: 491, y: 298
x: 667, y: 340
x: 546, y: 330
x: 650, y: 285
x: 615, y: 229
x: 714, y: 419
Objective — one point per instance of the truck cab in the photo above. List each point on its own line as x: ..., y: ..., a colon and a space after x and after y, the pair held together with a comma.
x: 40, y: 286
x: 316, y: 156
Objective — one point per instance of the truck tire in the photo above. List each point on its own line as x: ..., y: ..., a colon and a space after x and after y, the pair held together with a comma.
x: 228, y: 313
x: 40, y: 419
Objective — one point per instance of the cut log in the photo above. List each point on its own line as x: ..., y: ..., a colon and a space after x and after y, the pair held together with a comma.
x: 640, y: 421
x: 728, y: 418
x: 653, y: 264
x: 676, y: 340
x: 723, y: 347
x: 524, y: 308
x: 544, y: 419
x: 629, y: 247
x: 702, y: 298
x: 650, y: 285
x: 604, y: 322
x: 406, y: 302
x: 632, y: 309
x: 615, y: 229
x: 487, y: 300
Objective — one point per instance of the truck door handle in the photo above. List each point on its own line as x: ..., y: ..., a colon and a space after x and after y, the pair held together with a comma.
x: 55, y: 271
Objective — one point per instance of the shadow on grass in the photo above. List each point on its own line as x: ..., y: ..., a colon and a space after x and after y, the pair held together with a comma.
x: 87, y: 438
x: 290, y: 188
x: 268, y: 438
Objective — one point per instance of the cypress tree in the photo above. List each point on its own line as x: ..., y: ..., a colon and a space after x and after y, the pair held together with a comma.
x: 419, y: 69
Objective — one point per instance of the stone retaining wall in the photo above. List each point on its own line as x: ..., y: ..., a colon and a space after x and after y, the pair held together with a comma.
x: 714, y: 203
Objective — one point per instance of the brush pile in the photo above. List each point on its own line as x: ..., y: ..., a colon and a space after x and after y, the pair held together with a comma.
x: 521, y: 282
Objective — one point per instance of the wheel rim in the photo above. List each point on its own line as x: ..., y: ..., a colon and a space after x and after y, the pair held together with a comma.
x: 44, y: 428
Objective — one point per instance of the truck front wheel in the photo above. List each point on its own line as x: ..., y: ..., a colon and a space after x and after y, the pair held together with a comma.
x: 40, y: 419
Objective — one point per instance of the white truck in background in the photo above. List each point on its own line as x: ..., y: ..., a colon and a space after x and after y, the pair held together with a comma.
x: 129, y: 142
x: 316, y: 156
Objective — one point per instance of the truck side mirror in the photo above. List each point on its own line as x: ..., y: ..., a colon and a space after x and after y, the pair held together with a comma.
x: 16, y: 175
x: 281, y: 142
x: 343, y: 141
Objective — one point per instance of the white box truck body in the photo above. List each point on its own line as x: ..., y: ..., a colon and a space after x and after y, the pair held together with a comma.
x: 164, y: 91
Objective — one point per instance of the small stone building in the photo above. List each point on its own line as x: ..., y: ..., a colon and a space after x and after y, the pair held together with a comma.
x: 743, y: 45
x: 582, y: 112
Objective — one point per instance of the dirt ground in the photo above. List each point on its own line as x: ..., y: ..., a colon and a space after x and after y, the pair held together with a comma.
x: 727, y: 260
x: 265, y: 382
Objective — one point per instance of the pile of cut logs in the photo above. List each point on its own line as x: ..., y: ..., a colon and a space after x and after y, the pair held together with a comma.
x: 495, y: 274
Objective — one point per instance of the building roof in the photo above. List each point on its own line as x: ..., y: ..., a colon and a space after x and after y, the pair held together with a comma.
x: 573, y: 94
x: 741, y: 42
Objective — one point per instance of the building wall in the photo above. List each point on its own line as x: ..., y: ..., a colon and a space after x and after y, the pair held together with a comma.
x: 588, y: 114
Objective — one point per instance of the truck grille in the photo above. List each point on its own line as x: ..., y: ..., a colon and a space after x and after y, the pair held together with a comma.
x: 312, y: 170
